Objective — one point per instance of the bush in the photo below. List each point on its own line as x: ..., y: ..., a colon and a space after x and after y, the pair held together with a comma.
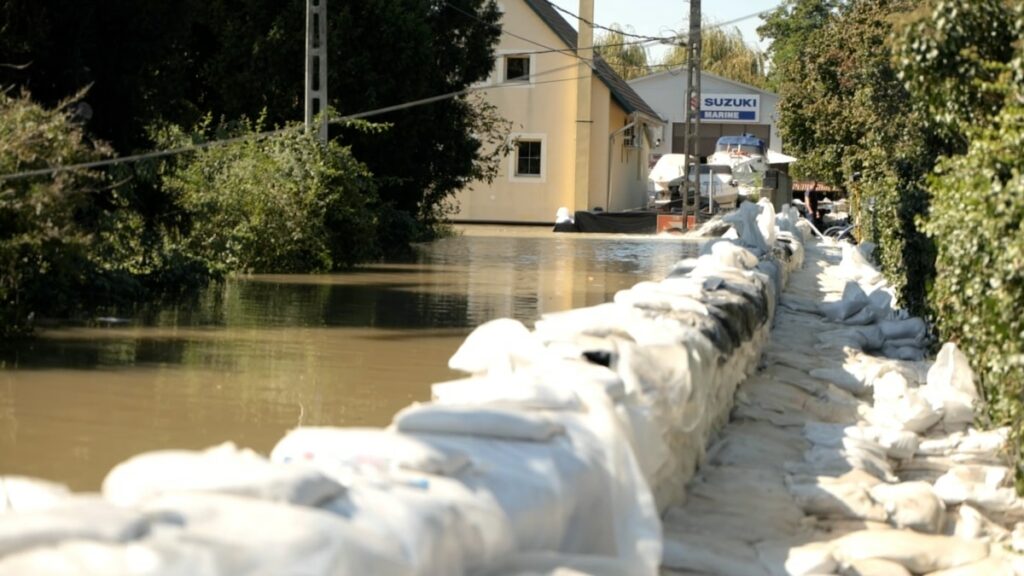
x: 277, y: 203
x: 44, y: 244
x: 978, y: 293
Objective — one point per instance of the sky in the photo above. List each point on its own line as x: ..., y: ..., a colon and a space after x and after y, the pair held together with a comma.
x: 663, y: 17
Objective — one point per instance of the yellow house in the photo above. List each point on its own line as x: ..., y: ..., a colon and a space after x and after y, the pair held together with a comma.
x: 581, y: 134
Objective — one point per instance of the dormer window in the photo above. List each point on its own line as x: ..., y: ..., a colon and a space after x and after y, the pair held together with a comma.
x: 517, y: 68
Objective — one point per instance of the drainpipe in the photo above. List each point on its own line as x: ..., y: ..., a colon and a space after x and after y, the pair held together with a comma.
x: 611, y: 147
x: 584, y: 49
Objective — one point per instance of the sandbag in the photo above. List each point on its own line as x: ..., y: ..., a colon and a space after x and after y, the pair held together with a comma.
x: 494, y: 422
x: 919, y: 553
x: 912, y: 505
x: 224, y: 469
x: 710, y: 554
x: 21, y: 494
x: 76, y: 517
x: 256, y: 537
x: 853, y: 300
x: 951, y: 385
x: 795, y: 557
x: 497, y: 346
x: 987, y: 487
x: 150, y: 557
x: 341, y: 451
x: 516, y: 390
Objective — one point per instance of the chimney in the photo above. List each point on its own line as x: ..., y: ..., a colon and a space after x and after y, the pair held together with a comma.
x: 585, y: 51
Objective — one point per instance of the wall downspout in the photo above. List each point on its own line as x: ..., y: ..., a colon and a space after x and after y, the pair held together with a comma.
x: 611, y: 147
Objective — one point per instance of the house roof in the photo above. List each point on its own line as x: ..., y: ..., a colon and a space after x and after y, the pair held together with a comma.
x: 621, y: 91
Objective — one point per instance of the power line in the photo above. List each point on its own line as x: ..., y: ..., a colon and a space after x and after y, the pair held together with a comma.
x: 53, y: 170
x: 607, y: 29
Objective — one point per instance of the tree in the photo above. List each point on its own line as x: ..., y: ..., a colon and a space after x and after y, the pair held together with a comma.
x: 627, y: 57
x: 723, y: 52
x: 845, y: 113
x: 152, y: 62
x: 789, y: 27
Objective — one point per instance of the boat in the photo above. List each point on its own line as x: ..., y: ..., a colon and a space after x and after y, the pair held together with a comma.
x: 734, y: 171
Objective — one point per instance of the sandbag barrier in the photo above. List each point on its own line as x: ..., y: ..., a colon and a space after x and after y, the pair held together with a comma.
x: 562, y: 448
x: 847, y: 451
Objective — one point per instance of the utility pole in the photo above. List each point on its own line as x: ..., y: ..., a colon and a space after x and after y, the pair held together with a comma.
x: 691, y: 134
x: 316, y: 67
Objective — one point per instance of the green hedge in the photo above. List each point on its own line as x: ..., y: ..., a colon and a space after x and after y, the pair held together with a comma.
x: 978, y: 295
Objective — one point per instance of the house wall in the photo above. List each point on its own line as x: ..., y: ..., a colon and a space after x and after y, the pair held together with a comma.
x: 545, y: 109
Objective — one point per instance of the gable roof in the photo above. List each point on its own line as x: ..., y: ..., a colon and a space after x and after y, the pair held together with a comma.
x: 621, y: 91
x: 704, y: 73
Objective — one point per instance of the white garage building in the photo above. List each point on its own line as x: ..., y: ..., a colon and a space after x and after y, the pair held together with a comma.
x: 728, y: 108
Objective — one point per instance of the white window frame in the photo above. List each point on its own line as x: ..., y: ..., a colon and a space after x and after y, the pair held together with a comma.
x: 513, y: 163
x: 502, y: 63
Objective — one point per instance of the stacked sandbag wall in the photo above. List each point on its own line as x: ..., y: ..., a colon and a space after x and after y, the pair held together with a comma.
x: 560, y: 448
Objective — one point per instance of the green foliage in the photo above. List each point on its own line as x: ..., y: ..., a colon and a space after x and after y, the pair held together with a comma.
x: 43, y: 246
x: 964, y: 62
x: 953, y: 57
x: 277, y: 203
x: 151, y: 61
x: 723, y: 52
x: 789, y: 27
x: 845, y: 113
x: 978, y: 296
x: 626, y: 57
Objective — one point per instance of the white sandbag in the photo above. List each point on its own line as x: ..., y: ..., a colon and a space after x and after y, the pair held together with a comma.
x: 972, y: 524
x: 495, y: 422
x: 912, y: 505
x: 516, y: 390
x: 919, y: 553
x: 910, y: 411
x: 732, y: 255
x: 710, y: 554
x: 76, y: 517
x: 902, y: 329
x: 984, y: 443
x: 880, y: 302
x: 744, y: 222
x: 256, y: 537
x: 795, y: 557
x: 898, y: 444
x: 992, y: 566
x: 766, y: 221
x: 22, y: 494
x: 853, y: 300
x: 224, y: 469
x: 841, y: 378
x: 951, y: 385
x: 876, y: 567
x: 150, y: 557
x: 497, y: 346
x: 987, y: 487
x: 898, y: 352
x: 837, y: 500
x: 855, y: 267
x: 340, y: 452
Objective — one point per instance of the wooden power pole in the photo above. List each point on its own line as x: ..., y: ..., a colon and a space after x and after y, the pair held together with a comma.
x: 691, y: 134
x: 316, y: 67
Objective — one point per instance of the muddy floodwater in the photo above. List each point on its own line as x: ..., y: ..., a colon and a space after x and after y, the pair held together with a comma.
x: 258, y: 355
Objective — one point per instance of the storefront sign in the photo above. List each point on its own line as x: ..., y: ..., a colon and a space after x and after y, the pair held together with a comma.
x: 730, y: 107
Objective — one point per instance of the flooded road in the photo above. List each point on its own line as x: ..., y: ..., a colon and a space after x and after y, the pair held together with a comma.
x: 258, y: 355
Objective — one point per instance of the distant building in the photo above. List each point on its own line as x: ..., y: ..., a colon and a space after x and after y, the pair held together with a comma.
x: 728, y: 108
x: 567, y: 154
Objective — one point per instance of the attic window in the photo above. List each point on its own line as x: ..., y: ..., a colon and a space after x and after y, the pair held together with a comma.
x: 517, y: 68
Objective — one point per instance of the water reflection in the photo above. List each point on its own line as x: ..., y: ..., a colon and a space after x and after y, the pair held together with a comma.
x: 258, y: 355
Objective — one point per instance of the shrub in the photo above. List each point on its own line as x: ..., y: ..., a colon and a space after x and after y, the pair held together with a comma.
x: 277, y: 203
x: 978, y: 294
x: 44, y: 243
